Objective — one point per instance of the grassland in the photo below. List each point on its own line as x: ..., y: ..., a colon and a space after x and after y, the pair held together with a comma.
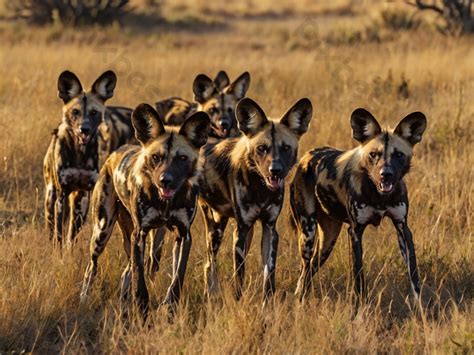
x: 319, y: 51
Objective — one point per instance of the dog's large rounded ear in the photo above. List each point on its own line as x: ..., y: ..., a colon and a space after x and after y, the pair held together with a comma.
x: 196, y: 128
x: 297, y: 118
x: 69, y: 86
x: 411, y: 128
x: 250, y: 117
x: 221, y: 80
x: 240, y: 86
x: 148, y: 125
x: 104, y: 86
x: 203, y: 88
x: 364, y: 125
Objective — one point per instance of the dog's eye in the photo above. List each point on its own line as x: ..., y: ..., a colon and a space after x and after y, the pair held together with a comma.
x: 230, y: 110
x: 183, y: 157
x: 286, y: 147
x: 75, y: 112
x: 213, y: 111
x: 156, y: 158
x: 400, y: 154
x: 262, y: 148
x: 93, y: 113
x: 373, y: 155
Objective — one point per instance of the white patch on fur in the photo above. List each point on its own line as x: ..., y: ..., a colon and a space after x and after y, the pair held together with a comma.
x: 181, y: 215
x: 366, y: 212
x: 102, y: 223
x: 398, y: 213
x: 265, y: 272
x: 120, y: 177
x: 151, y: 214
x: 369, y: 129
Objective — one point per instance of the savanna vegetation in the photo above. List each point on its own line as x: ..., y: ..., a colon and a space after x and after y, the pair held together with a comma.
x: 388, y: 58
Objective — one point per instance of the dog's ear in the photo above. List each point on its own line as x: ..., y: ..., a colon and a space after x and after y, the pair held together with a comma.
x: 104, y: 86
x: 412, y: 127
x: 69, y: 86
x: 240, y: 86
x: 221, y: 80
x: 297, y: 118
x: 196, y: 128
x: 148, y: 125
x: 364, y: 125
x: 250, y: 117
x: 203, y: 88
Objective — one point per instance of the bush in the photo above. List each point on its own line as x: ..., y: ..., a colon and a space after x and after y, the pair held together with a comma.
x: 67, y: 12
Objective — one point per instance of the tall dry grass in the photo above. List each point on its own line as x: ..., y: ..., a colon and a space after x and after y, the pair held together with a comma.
x: 39, y: 308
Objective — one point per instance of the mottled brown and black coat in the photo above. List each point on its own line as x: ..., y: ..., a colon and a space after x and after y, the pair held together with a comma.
x: 358, y: 187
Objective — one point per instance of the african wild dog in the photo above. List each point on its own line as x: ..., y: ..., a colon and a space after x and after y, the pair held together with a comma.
x: 71, y: 164
x: 216, y: 97
x: 358, y: 187
x: 243, y: 178
x: 115, y: 131
x: 147, y: 187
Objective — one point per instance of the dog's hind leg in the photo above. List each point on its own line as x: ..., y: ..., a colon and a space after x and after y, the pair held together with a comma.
x: 104, y: 215
x: 328, y: 232
x: 215, y: 227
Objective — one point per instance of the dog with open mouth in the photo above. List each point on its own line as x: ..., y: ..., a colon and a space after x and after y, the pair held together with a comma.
x: 243, y: 178
x: 217, y: 98
x: 146, y: 187
x: 358, y: 187
x: 71, y: 164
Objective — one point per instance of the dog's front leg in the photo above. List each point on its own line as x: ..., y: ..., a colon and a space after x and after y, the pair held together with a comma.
x: 156, y: 247
x: 269, y: 257
x: 181, y: 249
x: 139, y: 288
x: 60, y: 214
x: 407, y: 248
x: 240, y: 237
x: 356, y: 231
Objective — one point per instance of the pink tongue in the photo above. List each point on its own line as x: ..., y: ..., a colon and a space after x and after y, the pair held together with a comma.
x: 387, y: 187
x: 167, y: 193
x: 274, y: 184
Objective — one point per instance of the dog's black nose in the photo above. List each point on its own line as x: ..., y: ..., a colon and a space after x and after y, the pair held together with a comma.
x: 166, y: 179
x: 386, y: 172
x: 224, y: 124
x: 275, y: 168
x: 85, y: 129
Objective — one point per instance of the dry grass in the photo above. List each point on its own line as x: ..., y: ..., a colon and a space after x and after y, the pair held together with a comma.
x: 39, y: 308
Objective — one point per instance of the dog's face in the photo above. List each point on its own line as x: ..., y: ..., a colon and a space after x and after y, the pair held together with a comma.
x: 386, y: 155
x: 218, y: 99
x: 273, y: 145
x: 169, y: 157
x: 83, y: 111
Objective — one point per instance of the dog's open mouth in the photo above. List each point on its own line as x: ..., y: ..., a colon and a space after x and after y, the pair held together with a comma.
x: 83, y: 138
x: 166, y: 193
x: 220, y: 132
x: 386, y: 186
x: 273, y: 182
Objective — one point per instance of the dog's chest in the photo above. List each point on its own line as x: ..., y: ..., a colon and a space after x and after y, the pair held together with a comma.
x: 78, y: 178
x: 366, y: 214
